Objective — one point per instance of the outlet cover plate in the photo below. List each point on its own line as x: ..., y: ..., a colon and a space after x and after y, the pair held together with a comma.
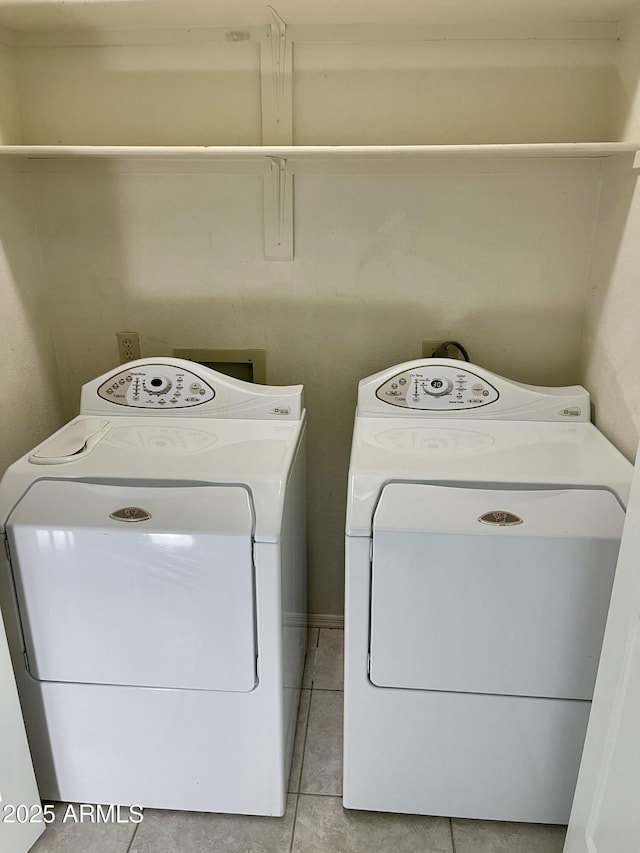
x: 128, y: 346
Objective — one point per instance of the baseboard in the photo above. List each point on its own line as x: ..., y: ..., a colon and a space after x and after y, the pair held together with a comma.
x: 325, y: 620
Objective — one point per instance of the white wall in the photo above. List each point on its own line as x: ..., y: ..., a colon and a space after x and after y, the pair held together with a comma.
x: 371, y: 90
x: 166, y: 94
x: 10, y: 125
x: 611, y: 348
x: 29, y: 399
x: 452, y: 92
x: 627, y: 86
x: 496, y: 255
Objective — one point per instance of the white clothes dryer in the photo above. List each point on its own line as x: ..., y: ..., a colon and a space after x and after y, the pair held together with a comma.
x: 483, y: 525
x: 154, y: 591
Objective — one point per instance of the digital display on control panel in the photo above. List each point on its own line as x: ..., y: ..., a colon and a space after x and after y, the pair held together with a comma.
x: 438, y: 388
x: 156, y: 386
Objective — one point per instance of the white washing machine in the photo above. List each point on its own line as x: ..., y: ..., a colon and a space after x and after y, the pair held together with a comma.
x: 154, y: 591
x: 483, y: 524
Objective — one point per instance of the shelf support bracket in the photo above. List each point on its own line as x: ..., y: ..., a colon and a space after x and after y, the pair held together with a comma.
x: 278, y: 211
x: 276, y: 68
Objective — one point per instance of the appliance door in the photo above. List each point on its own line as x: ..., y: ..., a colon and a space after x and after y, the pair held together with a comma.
x: 165, y: 601
x: 461, y: 605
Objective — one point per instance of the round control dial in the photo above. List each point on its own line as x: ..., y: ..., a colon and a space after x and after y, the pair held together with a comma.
x: 437, y: 387
x: 157, y: 385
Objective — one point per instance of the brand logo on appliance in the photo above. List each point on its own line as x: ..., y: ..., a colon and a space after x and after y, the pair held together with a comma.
x: 130, y: 513
x: 500, y: 518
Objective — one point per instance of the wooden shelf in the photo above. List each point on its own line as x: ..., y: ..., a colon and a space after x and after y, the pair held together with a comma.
x: 318, y: 152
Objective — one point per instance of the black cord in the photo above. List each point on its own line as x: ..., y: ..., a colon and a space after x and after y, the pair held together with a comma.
x: 441, y: 352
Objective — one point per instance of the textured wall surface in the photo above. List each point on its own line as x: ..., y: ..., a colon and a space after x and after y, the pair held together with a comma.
x: 627, y: 87
x: 10, y: 125
x: 453, y: 92
x: 29, y: 400
x: 611, y: 348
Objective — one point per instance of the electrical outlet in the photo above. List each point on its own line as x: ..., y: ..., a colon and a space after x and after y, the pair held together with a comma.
x: 128, y: 346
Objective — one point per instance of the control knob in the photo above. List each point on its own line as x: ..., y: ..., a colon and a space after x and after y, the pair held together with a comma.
x: 157, y: 385
x: 437, y: 387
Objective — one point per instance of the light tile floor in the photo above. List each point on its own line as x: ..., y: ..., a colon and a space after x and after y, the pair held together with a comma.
x: 315, y: 821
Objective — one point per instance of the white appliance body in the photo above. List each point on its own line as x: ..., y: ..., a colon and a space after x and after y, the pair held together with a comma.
x: 483, y: 526
x: 154, y: 591
x: 21, y: 815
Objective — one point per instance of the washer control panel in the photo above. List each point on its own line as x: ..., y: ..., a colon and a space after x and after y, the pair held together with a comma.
x: 156, y: 386
x: 438, y: 388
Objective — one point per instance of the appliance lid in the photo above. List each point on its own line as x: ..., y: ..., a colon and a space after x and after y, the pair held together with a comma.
x: 136, y: 586
x: 491, y: 591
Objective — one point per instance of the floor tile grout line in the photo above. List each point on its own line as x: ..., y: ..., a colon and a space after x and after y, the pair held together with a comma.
x: 293, y: 826
x: 453, y: 838
x: 304, y: 742
x: 135, y: 832
x: 299, y: 785
x: 312, y: 668
x: 320, y: 794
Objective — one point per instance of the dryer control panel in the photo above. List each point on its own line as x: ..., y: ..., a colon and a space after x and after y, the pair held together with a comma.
x: 448, y: 388
x: 437, y: 388
x: 156, y: 386
x: 175, y: 387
